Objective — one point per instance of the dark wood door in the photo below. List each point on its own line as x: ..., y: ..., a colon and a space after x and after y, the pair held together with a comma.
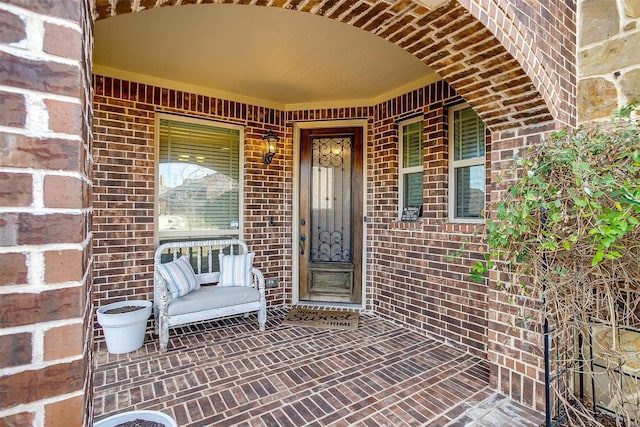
x: 331, y: 217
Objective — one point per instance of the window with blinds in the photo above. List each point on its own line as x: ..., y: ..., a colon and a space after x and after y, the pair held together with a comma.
x: 198, y: 186
x: 411, y: 164
x: 466, y: 165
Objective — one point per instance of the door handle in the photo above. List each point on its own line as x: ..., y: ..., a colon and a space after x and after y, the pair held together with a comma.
x: 302, y: 240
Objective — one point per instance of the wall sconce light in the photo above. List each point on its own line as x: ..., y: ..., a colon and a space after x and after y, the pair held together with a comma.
x: 269, y: 147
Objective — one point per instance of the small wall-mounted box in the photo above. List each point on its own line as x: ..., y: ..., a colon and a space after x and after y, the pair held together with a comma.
x: 271, y: 283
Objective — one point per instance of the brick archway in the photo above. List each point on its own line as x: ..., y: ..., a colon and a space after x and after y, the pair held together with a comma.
x: 496, y: 68
x: 47, y: 258
x: 511, y: 61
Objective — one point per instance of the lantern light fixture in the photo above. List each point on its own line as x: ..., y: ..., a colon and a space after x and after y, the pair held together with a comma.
x: 269, y: 146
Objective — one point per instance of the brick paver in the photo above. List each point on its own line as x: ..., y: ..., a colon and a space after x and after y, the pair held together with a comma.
x: 226, y: 373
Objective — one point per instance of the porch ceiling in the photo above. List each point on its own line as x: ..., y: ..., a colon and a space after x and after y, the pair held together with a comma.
x: 264, y: 55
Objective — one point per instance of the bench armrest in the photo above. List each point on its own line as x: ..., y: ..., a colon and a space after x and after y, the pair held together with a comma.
x: 161, y: 294
x: 258, y: 278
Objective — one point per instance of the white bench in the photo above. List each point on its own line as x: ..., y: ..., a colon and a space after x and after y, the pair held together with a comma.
x: 206, y: 302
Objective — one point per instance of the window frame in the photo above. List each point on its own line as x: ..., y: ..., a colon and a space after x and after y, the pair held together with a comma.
x: 455, y: 164
x: 402, y: 171
x: 198, y: 234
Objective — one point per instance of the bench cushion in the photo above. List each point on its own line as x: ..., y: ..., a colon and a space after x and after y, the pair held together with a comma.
x: 212, y: 297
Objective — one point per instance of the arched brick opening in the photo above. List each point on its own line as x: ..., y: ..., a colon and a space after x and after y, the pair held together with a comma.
x: 480, y: 49
x: 49, y: 142
x: 512, y: 63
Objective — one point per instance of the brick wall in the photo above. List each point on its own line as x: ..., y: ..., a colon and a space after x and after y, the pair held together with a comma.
x: 514, y: 63
x: 45, y: 250
x: 515, y: 352
x: 124, y: 182
x: 479, y: 46
x: 541, y: 36
x: 45, y: 214
x: 405, y: 261
x: 418, y: 272
x: 124, y: 174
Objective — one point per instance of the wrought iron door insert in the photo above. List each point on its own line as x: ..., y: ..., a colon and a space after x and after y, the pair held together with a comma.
x: 333, y: 181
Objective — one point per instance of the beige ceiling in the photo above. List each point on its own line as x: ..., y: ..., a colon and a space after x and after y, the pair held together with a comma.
x: 269, y: 56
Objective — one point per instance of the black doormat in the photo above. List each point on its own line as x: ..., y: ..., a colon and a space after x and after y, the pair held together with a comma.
x: 319, y: 318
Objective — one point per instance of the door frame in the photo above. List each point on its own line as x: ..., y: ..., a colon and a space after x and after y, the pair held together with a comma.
x: 295, y: 235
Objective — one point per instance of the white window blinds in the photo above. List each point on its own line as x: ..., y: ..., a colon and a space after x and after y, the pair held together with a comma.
x: 411, y: 166
x: 412, y: 145
x: 198, y: 179
x: 467, y: 171
x: 468, y: 134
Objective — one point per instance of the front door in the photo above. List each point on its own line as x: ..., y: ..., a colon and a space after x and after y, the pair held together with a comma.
x: 330, y: 228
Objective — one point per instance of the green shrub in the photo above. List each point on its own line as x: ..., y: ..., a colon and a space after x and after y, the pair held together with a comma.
x: 566, y: 232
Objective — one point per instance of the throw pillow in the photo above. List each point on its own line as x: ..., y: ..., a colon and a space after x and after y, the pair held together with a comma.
x: 179, y: 276
x: 235, y: 270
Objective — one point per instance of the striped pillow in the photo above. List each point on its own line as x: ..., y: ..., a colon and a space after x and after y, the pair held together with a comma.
x: 235, y: 270
x: 179, y: 276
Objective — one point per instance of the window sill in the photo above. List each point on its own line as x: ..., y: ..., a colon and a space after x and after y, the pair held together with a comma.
x: 407, y: 225
x: 444, y: 226
x: 464, y: 227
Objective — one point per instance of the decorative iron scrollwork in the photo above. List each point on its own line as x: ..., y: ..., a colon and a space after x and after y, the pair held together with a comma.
x: 330, y: 150
x: 330, y: 248
x: 331, y: 199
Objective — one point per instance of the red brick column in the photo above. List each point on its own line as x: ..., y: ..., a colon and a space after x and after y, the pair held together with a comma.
x: 515, y: 349
x: 541, y: 37
x: 45, y: 213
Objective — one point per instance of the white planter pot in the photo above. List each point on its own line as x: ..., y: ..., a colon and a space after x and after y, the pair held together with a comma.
x: 156, y: 416
x: 124, y: 332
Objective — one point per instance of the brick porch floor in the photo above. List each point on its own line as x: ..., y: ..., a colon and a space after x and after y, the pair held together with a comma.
x: 227, y: 374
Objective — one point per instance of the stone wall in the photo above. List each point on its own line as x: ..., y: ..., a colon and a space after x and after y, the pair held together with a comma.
x: 608, y: 57
x: 45, y: 214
